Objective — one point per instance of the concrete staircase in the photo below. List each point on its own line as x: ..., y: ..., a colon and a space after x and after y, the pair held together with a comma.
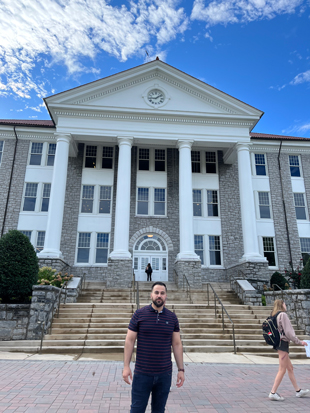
x: 98, y: 322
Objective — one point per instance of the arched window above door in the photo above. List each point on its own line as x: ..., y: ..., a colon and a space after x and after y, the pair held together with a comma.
x: 150, y: 243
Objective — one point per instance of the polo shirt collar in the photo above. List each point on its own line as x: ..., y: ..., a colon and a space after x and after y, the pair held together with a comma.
x: 155, y: 311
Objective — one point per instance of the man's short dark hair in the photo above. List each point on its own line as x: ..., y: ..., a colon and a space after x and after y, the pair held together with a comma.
x: 159, y: 283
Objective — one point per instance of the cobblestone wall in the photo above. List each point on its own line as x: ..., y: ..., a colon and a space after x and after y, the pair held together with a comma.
x: 232, y: 239
x: 192, y: 271
x: 5, y: 174
x: 18, y: 179
x: 282, y: 245
x: 297, y: 303
x: 256, y: 273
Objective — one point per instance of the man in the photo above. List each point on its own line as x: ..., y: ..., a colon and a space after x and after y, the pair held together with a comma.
x: 157, y: 329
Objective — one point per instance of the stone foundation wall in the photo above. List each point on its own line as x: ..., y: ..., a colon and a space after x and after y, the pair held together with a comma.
x: 213, y: 275
x: 257, y: 273
x: 247, y: 297
x: 120, y: 273
x: 14, y: 320
x: 192, y: 271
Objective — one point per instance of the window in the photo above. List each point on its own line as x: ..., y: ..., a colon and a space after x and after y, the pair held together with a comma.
x: 105, y: 200
x: 210, y: 162
x: 102, y: 248
x: 40, y: 241
x: 144, y: 159
x: 198, y: 240
x: 1, y: 150
x: 159, y: 201
x: 300, y: 206
x: 264, y: 205
x: 305, y: 246
x: 27, y: 233
x: 164, y: 264
x: 46, y: 197
x: 136, y: 263
x: 197, y: 203
x: 160, y: 160
x: 87, y: 199
x: 215, y: 250
x: 51, y: 154
x: 213, y: 207
x: 143, y: 201
x: 107, y: 157
x: 30, y: 197
x: 195, y: 161
x: 36, y: 153
x: 90, y: 156
x: 269, y: 251
x: 260, y: 164
x: 83, y: 247
x: 294, y: 165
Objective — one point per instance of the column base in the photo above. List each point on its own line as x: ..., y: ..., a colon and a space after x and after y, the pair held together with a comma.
x: 120, y: 273
x: 192, y: 270
x: 120, y: 255
x: 187, y: 256
x: 50, y: 253
x: 253, y: 258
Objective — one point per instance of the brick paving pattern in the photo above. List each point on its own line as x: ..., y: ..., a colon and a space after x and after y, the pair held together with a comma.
x: 95, y: 386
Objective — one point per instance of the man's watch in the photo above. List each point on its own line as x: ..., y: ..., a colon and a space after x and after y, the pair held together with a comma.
x: 181, y: 370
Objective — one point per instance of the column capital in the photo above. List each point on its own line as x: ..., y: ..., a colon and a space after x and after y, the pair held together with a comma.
x: 125, y: 140
x: 243, y: 146
x: 185, y: 143
x: 63, y: 137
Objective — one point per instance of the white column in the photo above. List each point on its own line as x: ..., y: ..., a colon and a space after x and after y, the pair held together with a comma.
x: 57, y: 199
x: 248, y: 218
x: 122, y: 210
x: 187, y: 249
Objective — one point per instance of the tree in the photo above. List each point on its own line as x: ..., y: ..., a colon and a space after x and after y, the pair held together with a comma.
x: 305, y: 276
x: 18, y: 267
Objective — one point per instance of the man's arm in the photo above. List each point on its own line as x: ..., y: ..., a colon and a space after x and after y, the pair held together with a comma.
x: 178, y: 355
x: 128, y: 350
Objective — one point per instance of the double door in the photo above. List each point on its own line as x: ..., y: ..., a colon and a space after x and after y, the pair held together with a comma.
x: 158, y: 263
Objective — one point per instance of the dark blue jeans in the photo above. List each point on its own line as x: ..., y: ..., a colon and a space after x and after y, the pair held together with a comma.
x: 143, y: 385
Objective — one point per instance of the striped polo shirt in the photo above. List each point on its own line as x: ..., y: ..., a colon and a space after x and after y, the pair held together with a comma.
x: 154, y: 339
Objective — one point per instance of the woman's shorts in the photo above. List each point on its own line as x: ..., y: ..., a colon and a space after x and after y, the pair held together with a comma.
x: 283, y: 346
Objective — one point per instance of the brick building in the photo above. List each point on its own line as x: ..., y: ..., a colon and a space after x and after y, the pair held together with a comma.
x: 153, y: 165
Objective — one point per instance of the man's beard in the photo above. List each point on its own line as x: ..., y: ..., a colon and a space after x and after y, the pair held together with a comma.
x: 157, y: 304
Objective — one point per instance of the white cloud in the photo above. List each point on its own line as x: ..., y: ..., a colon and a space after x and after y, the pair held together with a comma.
x: 235, y: 11
x: 299, y: 129
x: 68, y: 31
x: 301, y: 78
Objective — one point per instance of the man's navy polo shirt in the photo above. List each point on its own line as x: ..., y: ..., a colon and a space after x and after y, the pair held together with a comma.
x: 154, y: 337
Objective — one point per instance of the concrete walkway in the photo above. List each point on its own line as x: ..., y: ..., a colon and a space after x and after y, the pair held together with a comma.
x: 88, y: 384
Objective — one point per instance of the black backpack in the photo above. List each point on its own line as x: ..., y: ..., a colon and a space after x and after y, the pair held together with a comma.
x: 271, y: 333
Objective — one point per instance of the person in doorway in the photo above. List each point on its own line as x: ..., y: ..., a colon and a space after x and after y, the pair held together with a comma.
x: 156, y: 329
x: 149, y: 271
x: 287, y: 334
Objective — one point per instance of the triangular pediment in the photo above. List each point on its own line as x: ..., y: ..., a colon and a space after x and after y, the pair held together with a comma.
x: 178, y: 93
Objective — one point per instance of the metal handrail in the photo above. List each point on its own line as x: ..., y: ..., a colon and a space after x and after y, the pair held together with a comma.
x: 276, y: 285
x: 188, y: 288
x: 223, y: 309
x: 59, y: 296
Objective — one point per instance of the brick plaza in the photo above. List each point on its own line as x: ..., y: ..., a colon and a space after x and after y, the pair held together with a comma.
x: 97, y: 386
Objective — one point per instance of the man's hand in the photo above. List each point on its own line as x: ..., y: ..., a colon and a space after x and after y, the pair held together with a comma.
x: 180, y: 378
x: 126, y: 374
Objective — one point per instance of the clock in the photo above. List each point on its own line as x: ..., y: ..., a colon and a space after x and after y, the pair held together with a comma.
x: 156, y: 97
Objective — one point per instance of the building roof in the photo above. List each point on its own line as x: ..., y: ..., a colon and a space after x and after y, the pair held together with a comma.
x: 255, y: 135
x: 24, y: 122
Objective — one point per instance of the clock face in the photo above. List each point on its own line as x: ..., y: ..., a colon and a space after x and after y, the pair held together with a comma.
x: 156, y: 97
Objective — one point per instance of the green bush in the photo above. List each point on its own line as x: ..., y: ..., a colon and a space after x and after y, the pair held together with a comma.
x: 305, y: 276
x: 18, y: 267
x: 49, y: 276
x: 263, y: 300
x: 278, y: 279
x: 305, y: 258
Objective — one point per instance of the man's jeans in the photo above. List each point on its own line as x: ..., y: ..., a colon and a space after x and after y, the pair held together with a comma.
x: 143, y: 385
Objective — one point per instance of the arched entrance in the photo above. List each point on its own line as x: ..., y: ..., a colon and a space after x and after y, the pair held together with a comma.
x: 152, y: 249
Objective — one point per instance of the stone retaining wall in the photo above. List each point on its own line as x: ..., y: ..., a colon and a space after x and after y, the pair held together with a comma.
x: 297, y: 303
x: 248, y: 297
x: 14, y: 319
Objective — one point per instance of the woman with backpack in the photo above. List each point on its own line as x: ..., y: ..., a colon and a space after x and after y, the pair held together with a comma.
x: 287, y: 334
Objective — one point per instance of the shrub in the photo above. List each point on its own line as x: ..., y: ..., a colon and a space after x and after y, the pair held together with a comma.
x: 18, y: 267
x: 263, y: 300
x: 305, y: 276
x: 49, y: 276
x: 305, y: 258
x: 278, y: 279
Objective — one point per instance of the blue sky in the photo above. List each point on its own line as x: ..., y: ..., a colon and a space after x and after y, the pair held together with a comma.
x: 255, y: 50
